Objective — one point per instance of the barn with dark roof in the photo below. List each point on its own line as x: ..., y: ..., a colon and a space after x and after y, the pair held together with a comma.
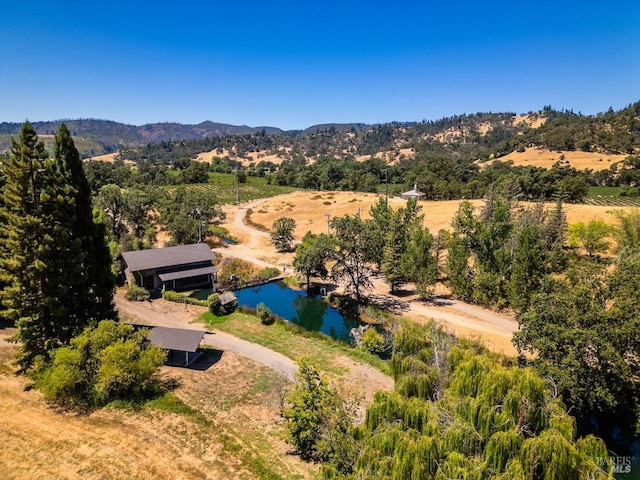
x: 172, y: 268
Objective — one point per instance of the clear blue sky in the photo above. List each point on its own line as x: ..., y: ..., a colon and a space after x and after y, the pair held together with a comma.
x: 295, y: 64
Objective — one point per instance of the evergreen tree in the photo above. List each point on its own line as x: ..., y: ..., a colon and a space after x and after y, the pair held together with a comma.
x: 93, y: 282
x: 54, y: 283
x: 421, y: 261
x: 396, y: 266
x: 528, y: 268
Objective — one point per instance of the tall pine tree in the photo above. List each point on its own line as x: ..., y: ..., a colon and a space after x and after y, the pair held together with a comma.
x: 93, y: 287
x: 54, y: 284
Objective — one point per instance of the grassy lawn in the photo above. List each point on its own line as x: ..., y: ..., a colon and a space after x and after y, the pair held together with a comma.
x: 223, y: 187
x: 292, y: 341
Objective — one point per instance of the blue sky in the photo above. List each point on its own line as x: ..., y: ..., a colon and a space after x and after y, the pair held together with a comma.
x: 295, y: 64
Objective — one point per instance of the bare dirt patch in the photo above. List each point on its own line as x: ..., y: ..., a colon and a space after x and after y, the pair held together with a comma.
x: 109, y: 157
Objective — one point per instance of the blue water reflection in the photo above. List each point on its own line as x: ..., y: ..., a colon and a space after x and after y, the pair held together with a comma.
x: 308, y: 311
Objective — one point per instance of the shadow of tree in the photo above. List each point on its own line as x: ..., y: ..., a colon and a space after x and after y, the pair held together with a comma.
x: 389, y: 303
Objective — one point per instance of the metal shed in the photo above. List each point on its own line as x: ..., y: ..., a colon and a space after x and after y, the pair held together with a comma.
x: 181, y: 344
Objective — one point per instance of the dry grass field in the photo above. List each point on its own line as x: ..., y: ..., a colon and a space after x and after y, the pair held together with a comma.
x: 310, y: 210
x: 251, y: 157
x: 232, y: 431
x: 109, y: 157
x: 539, y: 157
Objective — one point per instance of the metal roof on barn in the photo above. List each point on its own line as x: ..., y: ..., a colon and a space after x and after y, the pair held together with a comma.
x: 167, y: 257
x: 176, y: 338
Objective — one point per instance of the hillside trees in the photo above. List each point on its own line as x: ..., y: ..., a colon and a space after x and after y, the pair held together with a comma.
x: 187, y: 214
x: 55, y: 266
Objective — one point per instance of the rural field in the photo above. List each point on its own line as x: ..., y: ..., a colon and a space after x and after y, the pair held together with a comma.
x: 226, y: 426
x: 310, y: 210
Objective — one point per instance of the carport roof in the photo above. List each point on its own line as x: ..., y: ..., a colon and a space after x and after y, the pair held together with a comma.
x: 194, y: 272
x: 176, y: 338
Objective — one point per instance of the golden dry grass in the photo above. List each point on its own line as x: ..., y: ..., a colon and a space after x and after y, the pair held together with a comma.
x: 310, y: 210
x: 250, y: 158
x: 391, y: 157
x: 241, y: 438
x: 109, y: 157
x: 534, y: 120
x: 540, y: 157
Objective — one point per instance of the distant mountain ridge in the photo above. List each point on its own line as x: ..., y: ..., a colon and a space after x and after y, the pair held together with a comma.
x: 114, y: 135
x: 481, y: 135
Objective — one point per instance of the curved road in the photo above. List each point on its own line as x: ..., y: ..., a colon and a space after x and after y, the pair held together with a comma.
x: 451, y: 312
x: 145, y: 314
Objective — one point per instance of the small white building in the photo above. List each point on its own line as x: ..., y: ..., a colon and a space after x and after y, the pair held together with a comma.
x: 414, y: 194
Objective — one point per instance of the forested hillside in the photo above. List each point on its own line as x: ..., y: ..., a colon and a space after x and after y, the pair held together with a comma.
x: 484, y: 134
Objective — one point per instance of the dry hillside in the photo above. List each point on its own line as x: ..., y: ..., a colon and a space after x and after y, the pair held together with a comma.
x: 541, y: 157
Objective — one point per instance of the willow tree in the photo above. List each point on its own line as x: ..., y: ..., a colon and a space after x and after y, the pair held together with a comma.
x: 457, y: 413
x: 50, y: 267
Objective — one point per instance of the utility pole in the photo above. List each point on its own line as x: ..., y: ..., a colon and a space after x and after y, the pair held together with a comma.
x: 237, y: 186
x: 328, y: 218
x: 386, y: 182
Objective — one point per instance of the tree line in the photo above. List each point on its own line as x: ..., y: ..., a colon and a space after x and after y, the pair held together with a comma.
x: 56, y: 283
x: 577, y: 312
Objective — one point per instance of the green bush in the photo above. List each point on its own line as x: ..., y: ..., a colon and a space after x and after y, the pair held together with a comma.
x: 137, y: 294
x: 267, y: 273
x: 172, y: 296
x: 264, y: 314
x: 372, y: 341
x: 215, y: 304
x: 112, y: 361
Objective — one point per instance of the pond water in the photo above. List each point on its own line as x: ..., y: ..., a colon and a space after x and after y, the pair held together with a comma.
x: 308, y: 311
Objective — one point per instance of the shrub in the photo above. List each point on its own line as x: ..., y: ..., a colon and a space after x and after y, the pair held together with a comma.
x: 319, y: 419
x: 112, y: 361
x: 172, y: 296
x: 267, y: 273
x: 214, y: 303
x: 137, y: 294
x: 264, y: 314
x: 372, y: 341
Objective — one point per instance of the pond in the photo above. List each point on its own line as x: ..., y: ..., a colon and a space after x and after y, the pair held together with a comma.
x: 308, y: 311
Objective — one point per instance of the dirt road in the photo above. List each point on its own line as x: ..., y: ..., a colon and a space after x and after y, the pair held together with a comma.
x: 155, y: 314
x: 494, y: 329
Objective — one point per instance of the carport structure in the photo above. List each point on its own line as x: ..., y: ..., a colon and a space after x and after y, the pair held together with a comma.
x: 181, y: 344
